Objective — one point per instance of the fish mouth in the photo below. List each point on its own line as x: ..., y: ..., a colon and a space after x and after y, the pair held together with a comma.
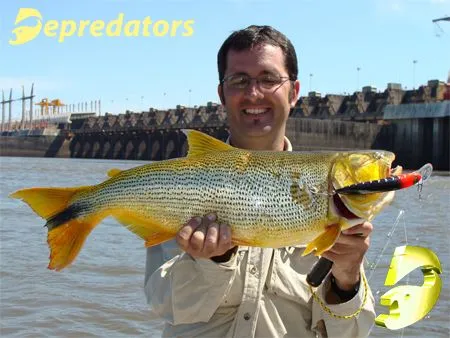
x: 357, y: 167
x: 342, y: 210
x: 339, y: 209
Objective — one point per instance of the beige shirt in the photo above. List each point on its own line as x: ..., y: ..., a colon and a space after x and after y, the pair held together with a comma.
x: 258, y: 293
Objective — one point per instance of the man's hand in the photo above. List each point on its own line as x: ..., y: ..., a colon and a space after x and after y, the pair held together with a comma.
x: 204, y: 238
x: 348, y: 253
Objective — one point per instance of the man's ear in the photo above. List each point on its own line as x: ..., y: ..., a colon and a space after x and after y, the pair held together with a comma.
x: 220, y: 92
x: 295, y: 91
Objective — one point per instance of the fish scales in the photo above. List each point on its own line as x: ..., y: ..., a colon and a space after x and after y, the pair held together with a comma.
x: 241, y: 187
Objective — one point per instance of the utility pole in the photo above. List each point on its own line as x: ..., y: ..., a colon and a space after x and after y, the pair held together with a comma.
x: 414, y: 74
x: 357, y: 77
x: 3, y: 111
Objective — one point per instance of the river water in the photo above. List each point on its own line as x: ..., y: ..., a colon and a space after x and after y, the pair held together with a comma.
x: 101, y: 294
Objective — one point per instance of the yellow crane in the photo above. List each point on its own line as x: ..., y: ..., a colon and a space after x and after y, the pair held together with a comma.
x: 44, y: 104
x: 45, y: 107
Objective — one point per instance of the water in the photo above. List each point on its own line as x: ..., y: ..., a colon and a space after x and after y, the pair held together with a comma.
x: 101, y: 294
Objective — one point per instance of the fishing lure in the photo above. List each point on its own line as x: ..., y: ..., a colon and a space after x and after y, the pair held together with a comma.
x: 389, y: 183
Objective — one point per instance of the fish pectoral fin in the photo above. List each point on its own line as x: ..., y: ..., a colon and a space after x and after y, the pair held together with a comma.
x: 324, y: 241
x: 113, y: 172
x: 148, y: 229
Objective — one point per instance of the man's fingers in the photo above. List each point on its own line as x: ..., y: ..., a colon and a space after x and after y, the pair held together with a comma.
x: 204, y: 237
x: 192, y: 236
x: 363, y: 230
x: 351, y: 240
x: 224, y: 238
x: 212, y: 238
x: 185, y: 233
x: 345, y: 248
x: 330, y: 255
x: 198, y: 237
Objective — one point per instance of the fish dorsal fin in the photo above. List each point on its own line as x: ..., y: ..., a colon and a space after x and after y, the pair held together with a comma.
x: 200, y: 143
x: 114, y: 172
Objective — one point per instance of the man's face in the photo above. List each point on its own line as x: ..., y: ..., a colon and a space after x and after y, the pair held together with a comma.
x: 255, y: 111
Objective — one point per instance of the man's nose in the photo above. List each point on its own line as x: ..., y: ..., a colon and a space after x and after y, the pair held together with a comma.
x: 253, y: 89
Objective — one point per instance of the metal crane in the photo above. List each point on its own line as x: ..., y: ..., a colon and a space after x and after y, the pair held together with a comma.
x: 435, y: 21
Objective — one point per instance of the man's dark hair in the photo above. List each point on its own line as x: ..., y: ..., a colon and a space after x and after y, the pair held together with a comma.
x: 255, y: 35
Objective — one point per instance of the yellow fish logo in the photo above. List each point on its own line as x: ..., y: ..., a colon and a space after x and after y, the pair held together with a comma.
x: 24, y: 34
x: 410, y: 303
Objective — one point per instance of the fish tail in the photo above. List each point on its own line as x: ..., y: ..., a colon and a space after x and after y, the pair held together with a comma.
x: 67, y: 227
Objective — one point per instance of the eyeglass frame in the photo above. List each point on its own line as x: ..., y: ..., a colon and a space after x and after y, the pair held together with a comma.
x: 283, y: 79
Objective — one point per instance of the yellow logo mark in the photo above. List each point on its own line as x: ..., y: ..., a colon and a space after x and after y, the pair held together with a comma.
x: 96, y: 28
x: 410, y: 303
x: 26, y: 33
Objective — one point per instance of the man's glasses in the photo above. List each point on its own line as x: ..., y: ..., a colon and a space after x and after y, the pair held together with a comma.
x: 242, y: 81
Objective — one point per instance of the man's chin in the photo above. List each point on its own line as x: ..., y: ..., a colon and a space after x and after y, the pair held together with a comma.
x: 256, y: 130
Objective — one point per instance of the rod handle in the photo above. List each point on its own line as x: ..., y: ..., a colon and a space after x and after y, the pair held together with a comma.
x: 319, y: 271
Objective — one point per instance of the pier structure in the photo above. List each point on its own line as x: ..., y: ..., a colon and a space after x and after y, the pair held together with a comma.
x: 151, y: 135
x: 414, y: 124
x: 366, y: 119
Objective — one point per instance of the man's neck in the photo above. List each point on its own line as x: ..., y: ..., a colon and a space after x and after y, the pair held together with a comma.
x: 259, y: 143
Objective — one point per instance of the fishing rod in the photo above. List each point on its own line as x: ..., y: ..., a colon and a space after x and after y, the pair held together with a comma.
x: 323, y: 266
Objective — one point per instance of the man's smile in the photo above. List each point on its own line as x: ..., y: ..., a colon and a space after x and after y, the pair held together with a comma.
x: 255, y: 111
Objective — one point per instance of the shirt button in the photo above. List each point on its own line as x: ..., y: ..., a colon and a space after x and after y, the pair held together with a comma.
x: 247, y: 316
x: 253, y: 270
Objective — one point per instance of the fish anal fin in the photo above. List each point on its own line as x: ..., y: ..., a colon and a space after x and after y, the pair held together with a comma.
x: 200, y: 143
x: 256, y: 239
x: 66, y: 240
x: 157, y: 238
x: 243, y: 242
x: 148, y: 229
x: 113, y: 172
x: 324, y: 241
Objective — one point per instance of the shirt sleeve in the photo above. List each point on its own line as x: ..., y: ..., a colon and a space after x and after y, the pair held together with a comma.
x: 186, y: 290
x: 358, y: 326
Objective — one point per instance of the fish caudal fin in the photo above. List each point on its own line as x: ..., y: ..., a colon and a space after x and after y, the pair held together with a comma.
x: 47, y: 202
x: 324, y: 241
x: 66, y: 241
x: 66, y: 232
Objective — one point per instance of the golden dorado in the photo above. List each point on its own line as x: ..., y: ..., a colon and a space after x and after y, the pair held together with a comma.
x: 270, y: 199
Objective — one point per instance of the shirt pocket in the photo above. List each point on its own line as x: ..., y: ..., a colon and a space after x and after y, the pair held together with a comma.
x: 233, y: 296
x: 287, y: 275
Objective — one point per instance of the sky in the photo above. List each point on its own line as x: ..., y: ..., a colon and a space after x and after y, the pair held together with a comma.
x: 333, y: 39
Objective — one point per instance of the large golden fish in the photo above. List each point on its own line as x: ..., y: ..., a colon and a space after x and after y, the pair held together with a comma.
x: 270, y: 199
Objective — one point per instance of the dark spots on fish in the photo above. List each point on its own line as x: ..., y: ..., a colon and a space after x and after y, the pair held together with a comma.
x: 295, y: 176
x: 242, y: 162
x: 299, y: 195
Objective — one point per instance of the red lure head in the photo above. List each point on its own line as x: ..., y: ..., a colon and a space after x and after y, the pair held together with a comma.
x: 408, y: 180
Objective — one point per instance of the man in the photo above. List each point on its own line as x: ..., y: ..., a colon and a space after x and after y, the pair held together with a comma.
x: 217, y: 289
